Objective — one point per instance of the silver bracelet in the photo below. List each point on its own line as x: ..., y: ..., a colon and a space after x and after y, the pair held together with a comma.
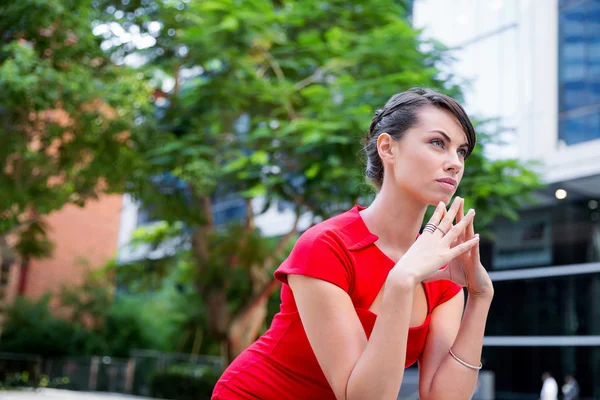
x: 464, y: 363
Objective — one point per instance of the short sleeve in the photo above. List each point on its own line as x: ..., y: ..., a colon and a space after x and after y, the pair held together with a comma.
x: 320, y: 256
x: 444, y: 291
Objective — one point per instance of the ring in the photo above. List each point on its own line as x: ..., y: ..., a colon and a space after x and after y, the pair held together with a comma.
x: 441, y: 230
x: 430, y: 228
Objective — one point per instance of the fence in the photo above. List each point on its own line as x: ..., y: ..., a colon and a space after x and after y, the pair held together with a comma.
x: 132, y: 375
x: 107, y: 374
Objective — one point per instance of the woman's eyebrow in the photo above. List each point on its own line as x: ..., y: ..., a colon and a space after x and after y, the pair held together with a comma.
x: 447, y: 137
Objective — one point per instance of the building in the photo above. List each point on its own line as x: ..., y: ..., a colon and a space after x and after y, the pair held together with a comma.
x: 85, y: 238
x: 536, y: 64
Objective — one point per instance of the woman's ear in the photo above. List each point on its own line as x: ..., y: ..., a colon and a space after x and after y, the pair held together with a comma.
x: 385, y: 147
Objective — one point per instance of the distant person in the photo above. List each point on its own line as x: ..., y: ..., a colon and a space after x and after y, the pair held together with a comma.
x: 549, y: 387
x: 364, y: 294
x: 570, y: 389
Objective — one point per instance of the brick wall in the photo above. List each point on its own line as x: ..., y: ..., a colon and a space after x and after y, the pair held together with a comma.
x: 85, y: 238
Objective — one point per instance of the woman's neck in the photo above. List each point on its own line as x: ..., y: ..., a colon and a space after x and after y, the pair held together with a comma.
x: 395, y: 218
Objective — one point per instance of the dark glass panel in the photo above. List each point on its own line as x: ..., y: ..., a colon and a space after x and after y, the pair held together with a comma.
x: 573, y: 130
x: 518, y: 370
x: 555, y: 306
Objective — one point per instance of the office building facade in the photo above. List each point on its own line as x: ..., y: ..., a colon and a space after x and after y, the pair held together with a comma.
x: 536, y: 65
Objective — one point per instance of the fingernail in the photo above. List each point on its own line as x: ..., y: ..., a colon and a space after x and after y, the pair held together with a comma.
x: 441, y: 204
x: 472, y: 211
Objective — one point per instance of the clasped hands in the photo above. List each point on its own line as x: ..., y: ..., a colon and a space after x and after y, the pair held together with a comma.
x: 455, y: 246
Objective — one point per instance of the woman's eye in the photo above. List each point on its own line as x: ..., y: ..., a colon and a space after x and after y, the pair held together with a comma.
x: 462, y: 153
x: 437, y: 142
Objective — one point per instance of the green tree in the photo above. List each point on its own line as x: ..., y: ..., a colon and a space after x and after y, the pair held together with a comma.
x: 68, y: 116
x: 271, y: 99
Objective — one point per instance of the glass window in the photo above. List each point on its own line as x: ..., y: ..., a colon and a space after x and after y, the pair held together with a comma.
x: 563, y: 234
x: 574, y: 95
x: 574, y: 130
x: 555, y: 306
x: 594, y: 127
x: 518, y: 370
x: 579, y: 70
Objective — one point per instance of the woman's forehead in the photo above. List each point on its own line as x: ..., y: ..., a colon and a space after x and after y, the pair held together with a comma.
x: 438, y: 119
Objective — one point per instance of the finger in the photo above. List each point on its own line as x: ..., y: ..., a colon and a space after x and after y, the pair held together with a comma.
x: 461, y: 212
x: 476, y: 248
x: 464, y: 247
x: 459, y: 228
x: 438, y: 214
x: 459, y: 216
x: 446, y: 223
x: 470, y: 231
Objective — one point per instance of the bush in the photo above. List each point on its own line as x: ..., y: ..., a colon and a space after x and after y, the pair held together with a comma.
x: 24, y: 380
x: 184, y: 383
x: 32, y: 328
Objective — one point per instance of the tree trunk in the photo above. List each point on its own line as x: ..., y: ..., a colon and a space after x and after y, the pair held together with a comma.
x: 246, y: 323
x: 23, y: 275
x: 6, y: 260
x: 245, y: 326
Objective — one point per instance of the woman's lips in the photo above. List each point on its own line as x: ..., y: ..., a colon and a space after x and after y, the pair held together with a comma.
x: 447, y: 183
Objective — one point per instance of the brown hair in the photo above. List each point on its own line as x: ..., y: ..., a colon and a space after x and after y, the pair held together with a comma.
x: 399, y: 114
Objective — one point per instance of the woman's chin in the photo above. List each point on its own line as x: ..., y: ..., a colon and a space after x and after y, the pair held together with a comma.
x: 436, y: 200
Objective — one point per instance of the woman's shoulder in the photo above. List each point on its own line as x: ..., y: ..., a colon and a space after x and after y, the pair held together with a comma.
x: 322, y: 252
x: 331, y: 230
x: 441, y: 291
x: 346, y: 231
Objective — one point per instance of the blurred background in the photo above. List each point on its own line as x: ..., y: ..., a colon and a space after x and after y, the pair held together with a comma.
x: 160, y: 158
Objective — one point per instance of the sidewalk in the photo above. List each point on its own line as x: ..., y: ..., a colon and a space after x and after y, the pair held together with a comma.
x: 54, y: 394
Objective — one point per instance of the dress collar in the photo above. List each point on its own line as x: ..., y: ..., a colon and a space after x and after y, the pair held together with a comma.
x: 355, y: 235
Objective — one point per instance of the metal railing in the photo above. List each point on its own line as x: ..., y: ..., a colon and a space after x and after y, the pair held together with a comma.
x: 102, y: 373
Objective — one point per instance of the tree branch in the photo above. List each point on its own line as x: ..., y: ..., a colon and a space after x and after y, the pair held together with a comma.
x: 23, y: 225
x: 249, y: 215
x: 281, y: 78
x: 261, y: 295
x: 318, y: 74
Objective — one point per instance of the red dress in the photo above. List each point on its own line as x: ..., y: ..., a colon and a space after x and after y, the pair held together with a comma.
x: 281, y: 364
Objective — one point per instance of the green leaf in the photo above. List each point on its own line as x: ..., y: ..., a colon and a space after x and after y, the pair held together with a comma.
x: 259, y: 157
x: 312, y: 172
x: 255, y: 191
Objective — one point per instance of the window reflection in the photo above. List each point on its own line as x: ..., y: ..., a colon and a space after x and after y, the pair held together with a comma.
x: 579, y: 70
x: 559, y: 235
x: 557, y: 306
x: 518, y: 369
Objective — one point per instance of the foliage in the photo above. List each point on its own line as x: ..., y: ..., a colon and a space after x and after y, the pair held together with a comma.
x: 32, y: 327
x: 269, y: 101
x: 24, y: 380
x: 183, y: 384
x: 67, y: 114
x: 285, y: 90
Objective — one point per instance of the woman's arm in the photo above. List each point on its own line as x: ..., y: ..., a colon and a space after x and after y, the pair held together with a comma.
x: 354, y: 367
x: 441, y: 377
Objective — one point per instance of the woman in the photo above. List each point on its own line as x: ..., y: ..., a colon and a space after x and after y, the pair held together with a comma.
x: 363, y: 294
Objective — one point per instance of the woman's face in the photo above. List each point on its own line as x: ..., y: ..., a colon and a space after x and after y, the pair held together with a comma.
x: 427, y: 163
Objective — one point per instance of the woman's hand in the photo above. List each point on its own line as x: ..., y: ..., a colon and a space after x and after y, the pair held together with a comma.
x: 434, y: 249
x: 465, y: 269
